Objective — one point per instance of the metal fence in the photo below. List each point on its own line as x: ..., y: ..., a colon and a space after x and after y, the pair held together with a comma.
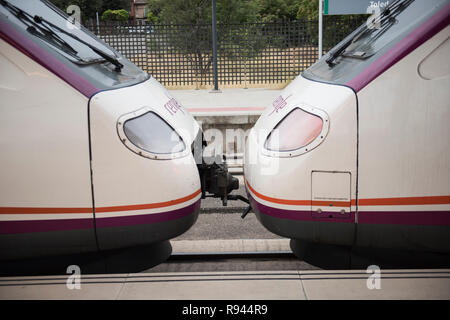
x: 248, y: 54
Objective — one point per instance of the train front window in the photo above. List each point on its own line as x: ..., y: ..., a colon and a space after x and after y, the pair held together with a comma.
x: 52, y: 30
x: 371, y: 40
x: 57, y: 31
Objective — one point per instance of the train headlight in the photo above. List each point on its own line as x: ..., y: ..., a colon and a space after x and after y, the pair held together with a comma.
x: 149, y: 135
x: 300, y: 131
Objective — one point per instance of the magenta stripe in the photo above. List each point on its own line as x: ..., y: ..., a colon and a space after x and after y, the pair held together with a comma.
x: 147, y: 218
x: 31, y: 226
x: 41, y: 56
x: 424, y: 32
x: 425, y: 218
x: 296, y: 214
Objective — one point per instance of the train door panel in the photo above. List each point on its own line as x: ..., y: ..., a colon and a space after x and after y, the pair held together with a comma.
x: 331, y: 195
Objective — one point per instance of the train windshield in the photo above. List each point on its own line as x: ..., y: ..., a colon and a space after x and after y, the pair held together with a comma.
x: 45, y: 25
x: 371, y: 40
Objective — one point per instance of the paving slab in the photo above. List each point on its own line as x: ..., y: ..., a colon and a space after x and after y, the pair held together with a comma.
x: 92, y: 287
x: 392, y: 285
x: 230, y: 245
x: 215, y: 286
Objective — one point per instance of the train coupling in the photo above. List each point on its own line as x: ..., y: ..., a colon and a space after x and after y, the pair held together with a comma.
x: 216, y: 180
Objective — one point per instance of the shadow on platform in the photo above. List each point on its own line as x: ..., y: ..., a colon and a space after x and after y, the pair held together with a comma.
x: 130, y: 260
x: 334, y: 257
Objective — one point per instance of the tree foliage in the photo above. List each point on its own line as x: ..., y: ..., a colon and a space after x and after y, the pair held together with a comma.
x: 115, y: 15
x: 181, y: 11
x: 195, y: 41
x: 277, y: 10
x: 192, y: 40
x: 114, y: 5
x: 228, y: 11
x: 308, y: 10
x: 237, y: 11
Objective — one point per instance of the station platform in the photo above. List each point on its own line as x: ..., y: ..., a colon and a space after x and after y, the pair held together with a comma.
x: 240, y: 284
x: 266, y: 285
x: 226, y: 102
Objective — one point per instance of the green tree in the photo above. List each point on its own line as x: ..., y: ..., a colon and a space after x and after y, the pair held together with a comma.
x: 115, y: 15
x: 308, y: 10
x: 152, y: 17
x: 114, y: 5
x: 277, y: 10
x: 194, y: 40
x: 237, y: 11
x: 199, y: 11
x: 181, y: 11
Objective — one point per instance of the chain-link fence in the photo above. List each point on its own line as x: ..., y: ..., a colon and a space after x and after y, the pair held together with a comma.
x: 248, y: 54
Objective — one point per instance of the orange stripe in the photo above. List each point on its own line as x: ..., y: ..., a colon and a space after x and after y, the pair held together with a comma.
x: 150, y: 205
x: 280, y: 201
x: 28, y: 210
x: 362, y: 202
x: 299, y: 202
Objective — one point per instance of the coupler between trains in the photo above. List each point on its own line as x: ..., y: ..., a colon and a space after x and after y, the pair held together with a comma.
x: 216, y: 181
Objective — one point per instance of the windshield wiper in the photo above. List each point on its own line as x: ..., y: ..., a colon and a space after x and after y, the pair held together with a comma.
x: 385, y: 20
x: 45, y: 27
x: 101, y: 53
x: 53, y: 38
x: 338, y: 51
x: 38, y: 31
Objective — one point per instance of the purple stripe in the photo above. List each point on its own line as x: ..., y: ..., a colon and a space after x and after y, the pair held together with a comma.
x: 424, y: 32
x: 147, y: 218
x: 45, y: 59
x: 299, y: 215
x: 31, y: 226
x: 425, y: 218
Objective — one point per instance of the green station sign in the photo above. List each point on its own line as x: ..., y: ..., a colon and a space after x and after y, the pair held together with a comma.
x: 333, y: 7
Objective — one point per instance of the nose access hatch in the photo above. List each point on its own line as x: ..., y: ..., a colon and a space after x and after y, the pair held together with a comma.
x: 330, y: 195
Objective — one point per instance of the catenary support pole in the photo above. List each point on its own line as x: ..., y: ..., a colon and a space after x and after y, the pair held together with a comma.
x: 214, y: 39
x: 320, y: 28
x: 98, y: 23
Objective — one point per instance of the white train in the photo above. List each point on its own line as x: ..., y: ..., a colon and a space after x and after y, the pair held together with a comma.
x: 356, y: 150
x: 95, y: 154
